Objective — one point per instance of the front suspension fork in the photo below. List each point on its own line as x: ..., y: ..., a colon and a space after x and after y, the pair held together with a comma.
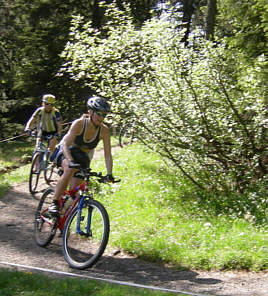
x: 80, y: 218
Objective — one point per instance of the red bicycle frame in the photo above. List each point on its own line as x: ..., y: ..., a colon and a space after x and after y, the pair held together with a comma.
x: 71, y: 193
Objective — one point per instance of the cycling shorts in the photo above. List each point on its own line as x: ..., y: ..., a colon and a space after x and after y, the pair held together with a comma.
x: 46, y: 135
x: 79, y: 156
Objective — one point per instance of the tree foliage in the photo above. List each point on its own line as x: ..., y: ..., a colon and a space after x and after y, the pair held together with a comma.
x: 203, y: 107
x: 245, y: 24
x: 200, y: 104
x: 32, y: 35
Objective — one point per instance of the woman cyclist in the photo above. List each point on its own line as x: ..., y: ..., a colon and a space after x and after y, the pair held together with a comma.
x: 78, y: 146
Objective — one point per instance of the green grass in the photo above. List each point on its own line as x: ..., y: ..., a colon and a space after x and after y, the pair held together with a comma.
x: 159, y: 216
x: 14, y: 177
x: 29, y: 284
x: 14, y: 153
x: 19, y: 153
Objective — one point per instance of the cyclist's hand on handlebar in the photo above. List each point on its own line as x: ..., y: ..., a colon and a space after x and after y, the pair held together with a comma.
x: 27, y: 132
x: 108, y: 178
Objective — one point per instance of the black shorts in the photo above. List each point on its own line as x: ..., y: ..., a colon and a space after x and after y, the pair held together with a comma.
x: 78, y: 156
x: 46, y: 135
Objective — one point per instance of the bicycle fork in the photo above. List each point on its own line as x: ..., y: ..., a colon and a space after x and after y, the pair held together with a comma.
x: 81, y: 218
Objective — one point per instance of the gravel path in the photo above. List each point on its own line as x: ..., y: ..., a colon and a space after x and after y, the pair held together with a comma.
x: 17, y: 246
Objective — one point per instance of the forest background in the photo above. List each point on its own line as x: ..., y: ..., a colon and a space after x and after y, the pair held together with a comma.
x: 189, y: 77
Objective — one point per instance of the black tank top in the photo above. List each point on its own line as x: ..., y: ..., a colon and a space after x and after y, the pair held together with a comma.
x: 80, y: 141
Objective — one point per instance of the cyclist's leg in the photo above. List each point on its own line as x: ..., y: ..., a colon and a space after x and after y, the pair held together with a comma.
x: 52, y: 144
x: 79, y: 157
x: 62, y: 184
x: 75, y: 182
x: 37, y: 141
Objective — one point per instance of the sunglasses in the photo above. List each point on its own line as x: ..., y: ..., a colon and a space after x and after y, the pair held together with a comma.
x: 47, y: 104
x: 102, y: 114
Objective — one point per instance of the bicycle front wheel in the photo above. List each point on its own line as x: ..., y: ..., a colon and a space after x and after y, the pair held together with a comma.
x: 34, y: 173
x: 85, y: 237
x: 48, y: 173
x: 45, y: 225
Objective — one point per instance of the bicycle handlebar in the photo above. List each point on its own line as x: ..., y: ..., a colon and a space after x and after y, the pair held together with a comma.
x: 89, y: 173
x: 33, y: 133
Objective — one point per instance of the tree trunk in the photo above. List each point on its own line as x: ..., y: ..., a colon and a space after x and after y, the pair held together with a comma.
x: 210, y: 19
x: 188, y: 10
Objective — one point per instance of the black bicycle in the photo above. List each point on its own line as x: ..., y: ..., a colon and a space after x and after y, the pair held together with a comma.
x: 82, y: 220
x: 41, y: 163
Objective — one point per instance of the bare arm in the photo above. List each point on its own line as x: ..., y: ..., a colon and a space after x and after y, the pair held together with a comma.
x: 69, y: 138
x: 32, y: 119
x: 59, y: 127
x: 107, y: 149
x: 58, y: 118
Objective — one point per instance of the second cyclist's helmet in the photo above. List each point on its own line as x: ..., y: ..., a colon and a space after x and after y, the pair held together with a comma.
x: 49, y: 99
x: 98, y: 104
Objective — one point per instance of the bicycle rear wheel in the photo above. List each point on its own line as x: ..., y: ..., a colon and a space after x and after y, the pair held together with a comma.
x: 45, y: 225
x: 34, y: 173
x: 83, y: 250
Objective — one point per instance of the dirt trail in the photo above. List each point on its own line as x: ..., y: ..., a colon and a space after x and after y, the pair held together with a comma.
x: 17, y: 246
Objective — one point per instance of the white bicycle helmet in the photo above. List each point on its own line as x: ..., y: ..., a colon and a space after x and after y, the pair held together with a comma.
x: 49, y: 99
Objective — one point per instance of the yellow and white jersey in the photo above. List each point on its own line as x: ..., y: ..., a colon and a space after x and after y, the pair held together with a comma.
x: 47, y: 120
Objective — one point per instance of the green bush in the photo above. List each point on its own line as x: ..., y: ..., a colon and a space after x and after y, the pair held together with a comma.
x: 204, y: 107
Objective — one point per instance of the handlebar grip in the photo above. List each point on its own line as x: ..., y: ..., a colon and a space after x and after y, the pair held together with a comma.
x: 117, y: 181
x: 104, y: 180
x: 32, y: 133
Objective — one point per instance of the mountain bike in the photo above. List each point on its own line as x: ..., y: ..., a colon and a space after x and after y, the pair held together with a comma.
x: 41, y: 163
x: 83, y: 222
